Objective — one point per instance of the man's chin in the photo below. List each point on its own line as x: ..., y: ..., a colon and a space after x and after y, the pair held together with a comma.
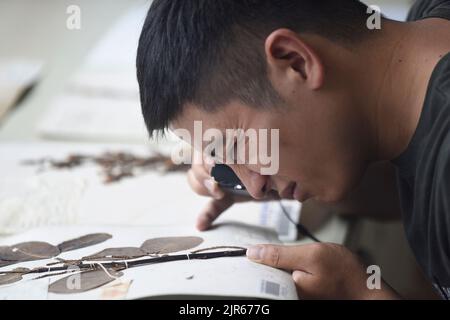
x: 302, y: 196
x: 330, y: 198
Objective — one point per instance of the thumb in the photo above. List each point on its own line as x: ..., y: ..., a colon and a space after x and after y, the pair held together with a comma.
x: 280, y: 257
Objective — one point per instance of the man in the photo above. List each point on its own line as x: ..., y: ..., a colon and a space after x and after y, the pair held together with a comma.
x: 347, y: 99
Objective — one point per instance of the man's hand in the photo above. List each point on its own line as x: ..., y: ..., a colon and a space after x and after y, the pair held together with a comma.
x: 321, y: 271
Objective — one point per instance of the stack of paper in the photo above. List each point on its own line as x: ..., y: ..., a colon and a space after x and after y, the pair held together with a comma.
x: 101, y: 101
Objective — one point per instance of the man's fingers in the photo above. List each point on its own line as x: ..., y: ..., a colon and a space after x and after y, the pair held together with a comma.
x: 213, y: 210
x: 213, y: 188
x: 196, y: 185
x: 204, y: 185
x: 283, y: 257
x: 209, y: 164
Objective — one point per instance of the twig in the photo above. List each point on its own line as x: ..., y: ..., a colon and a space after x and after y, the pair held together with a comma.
x: 121, y: 265
x: 218, y: 247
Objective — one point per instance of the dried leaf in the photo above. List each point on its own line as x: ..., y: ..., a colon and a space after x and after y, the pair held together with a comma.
x: 84, y: 241
x: 6, y: 253
x: 9, y: 278
x: 87, y: 281
x: 28, y: 251
x: 117, y: 253
x: 6, y: 263
x: 37, y: 250
x: 170, y: 244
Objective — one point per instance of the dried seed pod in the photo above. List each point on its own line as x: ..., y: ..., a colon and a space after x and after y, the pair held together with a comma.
x: 170, y: 244
x: 88, y: 280
x: 28, y: 251
x: 84, y: 241
x: 127, y: 253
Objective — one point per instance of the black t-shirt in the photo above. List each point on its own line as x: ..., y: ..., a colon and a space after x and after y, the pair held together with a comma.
x: 424, y: 168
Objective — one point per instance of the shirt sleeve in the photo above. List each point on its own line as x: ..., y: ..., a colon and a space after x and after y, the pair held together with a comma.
x: 429, y: 9
x: 440, y: 212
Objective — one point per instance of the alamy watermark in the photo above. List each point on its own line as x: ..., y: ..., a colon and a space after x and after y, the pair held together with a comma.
x: 231, y: 147
x: 374, y: 279
x: 73, y: 282
x: 374, y: 20
x: 73, y: 21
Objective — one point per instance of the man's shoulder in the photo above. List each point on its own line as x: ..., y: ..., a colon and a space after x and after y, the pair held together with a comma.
x: 440, y: 81
x: 435, y: 133
x: 442, y: 173
x: 429, y: 8
x: 439, y: 101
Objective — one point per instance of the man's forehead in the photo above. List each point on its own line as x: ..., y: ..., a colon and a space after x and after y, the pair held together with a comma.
x: 209, y: 122
x: 223, y: 118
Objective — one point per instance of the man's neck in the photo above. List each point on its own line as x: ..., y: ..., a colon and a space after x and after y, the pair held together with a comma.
x: 400, y: 63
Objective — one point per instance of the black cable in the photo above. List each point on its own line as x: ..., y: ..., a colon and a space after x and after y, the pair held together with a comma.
x: 300, y: 228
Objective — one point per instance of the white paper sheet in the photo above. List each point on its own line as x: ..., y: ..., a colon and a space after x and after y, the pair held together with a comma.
x: 226, y: 277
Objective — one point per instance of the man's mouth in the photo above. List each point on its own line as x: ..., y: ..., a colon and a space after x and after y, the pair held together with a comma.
x: 288, y: 192
x: 294, y: 192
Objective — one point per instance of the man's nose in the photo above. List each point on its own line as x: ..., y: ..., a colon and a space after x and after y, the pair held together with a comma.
x: 253, y: 181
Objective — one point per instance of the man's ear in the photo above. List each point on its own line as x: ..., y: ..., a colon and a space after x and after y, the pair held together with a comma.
x: 287, y: 54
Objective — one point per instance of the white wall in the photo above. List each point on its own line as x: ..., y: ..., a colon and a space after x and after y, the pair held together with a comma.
x: 393, y: 9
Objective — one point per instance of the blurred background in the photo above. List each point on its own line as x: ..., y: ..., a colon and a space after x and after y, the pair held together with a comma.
x: 68, y: 87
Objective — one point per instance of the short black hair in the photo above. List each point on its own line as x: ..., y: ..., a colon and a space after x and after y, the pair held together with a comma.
x: 211, y: 52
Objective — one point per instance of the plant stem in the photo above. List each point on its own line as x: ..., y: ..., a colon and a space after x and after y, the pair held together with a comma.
x: 120, y: 265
